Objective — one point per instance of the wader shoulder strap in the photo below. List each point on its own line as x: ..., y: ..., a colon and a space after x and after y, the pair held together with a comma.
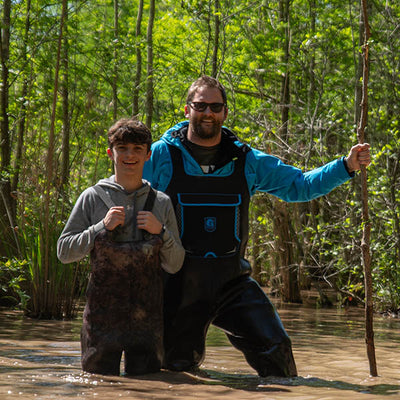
x: 104, y: 196
x: 151, y: 197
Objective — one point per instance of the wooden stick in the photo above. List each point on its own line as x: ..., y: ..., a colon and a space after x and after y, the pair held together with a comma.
x: 365, y: 242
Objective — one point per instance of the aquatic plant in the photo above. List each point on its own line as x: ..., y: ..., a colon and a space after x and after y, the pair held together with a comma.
x: 13, y: 279
x: 53, y: 290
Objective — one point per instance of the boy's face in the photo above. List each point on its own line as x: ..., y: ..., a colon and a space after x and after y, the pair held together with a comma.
x: 129, y: 158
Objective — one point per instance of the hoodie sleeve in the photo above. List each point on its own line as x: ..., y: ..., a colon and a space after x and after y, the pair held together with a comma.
x: 172, y: 253
x: 85, y: 222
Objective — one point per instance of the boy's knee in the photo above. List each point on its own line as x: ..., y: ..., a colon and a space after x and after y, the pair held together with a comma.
x: 98, y: 360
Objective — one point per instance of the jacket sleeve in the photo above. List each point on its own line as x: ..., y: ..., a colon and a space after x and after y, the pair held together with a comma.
x: 77, y: 239
x: 267, y: 173
x: 172, y: 253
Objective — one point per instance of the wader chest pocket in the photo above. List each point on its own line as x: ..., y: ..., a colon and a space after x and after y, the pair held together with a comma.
x: 209, y: 223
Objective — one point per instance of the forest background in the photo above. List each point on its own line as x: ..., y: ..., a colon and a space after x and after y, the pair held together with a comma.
x: 293, y: 72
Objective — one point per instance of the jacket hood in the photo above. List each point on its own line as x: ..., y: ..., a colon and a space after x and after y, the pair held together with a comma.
x: 172, y: 136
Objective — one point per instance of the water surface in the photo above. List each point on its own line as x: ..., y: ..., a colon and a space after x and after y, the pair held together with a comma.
x: 41, y: 360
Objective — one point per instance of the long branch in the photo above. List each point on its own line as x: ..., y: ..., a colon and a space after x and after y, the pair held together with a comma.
x: 365, y: 242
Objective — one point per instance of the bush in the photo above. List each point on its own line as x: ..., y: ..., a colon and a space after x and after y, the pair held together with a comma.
x: 13, y: 283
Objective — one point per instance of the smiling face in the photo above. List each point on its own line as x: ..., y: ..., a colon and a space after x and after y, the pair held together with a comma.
x: 129, y: 142
x: 129, y: 159
x: 205, y: 126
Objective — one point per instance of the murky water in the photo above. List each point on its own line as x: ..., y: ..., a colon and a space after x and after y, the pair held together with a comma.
x: 41, y: 360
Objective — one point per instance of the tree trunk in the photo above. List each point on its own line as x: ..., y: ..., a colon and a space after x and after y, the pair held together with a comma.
x: 150, y: 71
x: 285, y: 84
x: 6, y: 201
x: 311, y: 106
x: 290, y: 290
x: 217, y: 23
x: 288, y: 268
x: 22, y: 114
x: 65, y: 115
x: 115, y: 61
x: 46, y: 283
x: 138, y: 75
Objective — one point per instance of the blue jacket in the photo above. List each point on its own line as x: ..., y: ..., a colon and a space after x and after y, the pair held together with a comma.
x: 263, y: 172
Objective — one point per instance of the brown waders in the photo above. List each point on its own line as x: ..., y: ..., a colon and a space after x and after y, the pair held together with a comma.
x: 124, y: 307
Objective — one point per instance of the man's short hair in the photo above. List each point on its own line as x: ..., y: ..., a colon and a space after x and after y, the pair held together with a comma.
x: 129, y: 130
x: 205, y: 81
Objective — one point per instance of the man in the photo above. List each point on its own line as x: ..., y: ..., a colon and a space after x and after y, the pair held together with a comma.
x: 130, y: 231
x: 210, y: 177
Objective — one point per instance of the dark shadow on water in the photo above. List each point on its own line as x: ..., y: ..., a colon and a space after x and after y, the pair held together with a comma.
x: 253, y: 383
x: 39, y: 356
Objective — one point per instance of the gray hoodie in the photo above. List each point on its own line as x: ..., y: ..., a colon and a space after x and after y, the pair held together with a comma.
x: 86, y: 221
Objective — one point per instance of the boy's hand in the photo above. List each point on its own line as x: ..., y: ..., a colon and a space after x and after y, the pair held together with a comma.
x: 147, y: 221
x: 114, y: 217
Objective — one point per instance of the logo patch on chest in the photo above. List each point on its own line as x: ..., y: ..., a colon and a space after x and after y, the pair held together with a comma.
x: 210, y: 224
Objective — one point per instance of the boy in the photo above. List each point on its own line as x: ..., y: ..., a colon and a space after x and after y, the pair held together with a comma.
x: 130, y: 231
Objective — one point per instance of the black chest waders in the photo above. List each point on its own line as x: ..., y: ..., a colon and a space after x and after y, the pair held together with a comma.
x: 214, y: 284
x: 123, y: 312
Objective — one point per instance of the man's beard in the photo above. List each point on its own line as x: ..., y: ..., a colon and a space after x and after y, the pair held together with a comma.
x: 210, y: 132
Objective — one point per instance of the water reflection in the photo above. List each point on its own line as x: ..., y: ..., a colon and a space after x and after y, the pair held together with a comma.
x: 41, y: 359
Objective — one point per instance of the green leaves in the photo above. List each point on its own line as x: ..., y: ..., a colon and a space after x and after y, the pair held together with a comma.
x: 323, y: 51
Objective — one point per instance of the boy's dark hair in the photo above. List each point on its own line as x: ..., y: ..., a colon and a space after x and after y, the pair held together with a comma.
x: 129, y: 130
x: 205, y: 81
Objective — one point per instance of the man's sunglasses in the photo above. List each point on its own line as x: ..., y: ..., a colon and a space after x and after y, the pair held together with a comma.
x: 201, y: 106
